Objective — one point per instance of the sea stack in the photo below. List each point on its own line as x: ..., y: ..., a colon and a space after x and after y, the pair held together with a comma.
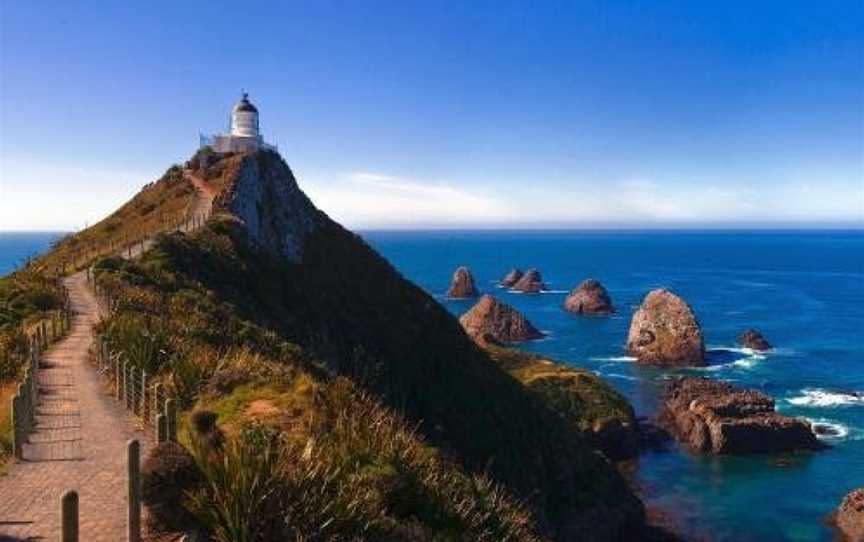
x: 590, y: 297
x: 462, y: 286
x: 712, y: 417
x: 511, y: 278
x: 530, y: 283
x: 849, y: 518
x: 492, y: 318
x: 665, y: 331
x: 754, y: 340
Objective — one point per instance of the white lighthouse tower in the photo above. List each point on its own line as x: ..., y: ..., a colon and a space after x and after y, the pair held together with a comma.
x: 244, y: 118
x: 244, y: 135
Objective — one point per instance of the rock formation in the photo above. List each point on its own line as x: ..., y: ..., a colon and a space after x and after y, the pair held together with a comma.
x: 530, y: 283
x: 492, y: 318
x: 717, y: 418
x: 590, y: 297
x: 665, y: 331
x: 754, y: 340
x: 462, y: 286
x: 849, y: 518
x: 511, y: 278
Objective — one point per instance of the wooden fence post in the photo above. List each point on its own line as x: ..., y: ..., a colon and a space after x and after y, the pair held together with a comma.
x: 171, y: 420
x: 144, y: 406
x: 117, y: 378
x: 16, y: 436
x: 69, y: 517
x: 127, y: 384
x: 157, y: 394
x: 161, y: 428
x: 133, y: 522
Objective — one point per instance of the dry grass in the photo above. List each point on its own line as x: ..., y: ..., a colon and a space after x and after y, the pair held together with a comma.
x: 7, y: 391
x: 159, y: 207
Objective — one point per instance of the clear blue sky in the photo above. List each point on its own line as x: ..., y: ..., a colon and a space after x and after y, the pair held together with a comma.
x: 449, y: 114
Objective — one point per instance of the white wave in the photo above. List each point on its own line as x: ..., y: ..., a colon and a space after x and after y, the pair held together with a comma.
x: 554, y: 291
x: 619, y: 375
x: 615, y: 375
x: 815, y: 397
x: 737, y: 349
x: 828, y: 429
x: 615, y: 358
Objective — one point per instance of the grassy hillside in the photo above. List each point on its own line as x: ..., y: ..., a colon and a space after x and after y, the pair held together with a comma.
x: 159, y: 206
x: 366, y: 323
x: 345, y: 460
x: 587, y: 403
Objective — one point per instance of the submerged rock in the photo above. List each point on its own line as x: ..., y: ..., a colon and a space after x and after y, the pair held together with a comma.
x: 849, y: 517
x: 590, y: 297
x: 714, y: 417
x: 754, y: 340
x: 492, y: 318
x: 530, y: 283
x: 665, y: 331
x: 462, y: 285
x: 511, y: 278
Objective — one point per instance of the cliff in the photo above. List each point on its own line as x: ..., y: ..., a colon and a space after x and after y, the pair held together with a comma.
x: 272, y: 270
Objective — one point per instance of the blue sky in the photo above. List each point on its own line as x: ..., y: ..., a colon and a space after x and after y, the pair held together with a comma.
x: 449, y: 114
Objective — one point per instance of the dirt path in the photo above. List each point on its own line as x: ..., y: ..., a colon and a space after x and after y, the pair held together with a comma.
x: 79, y: 442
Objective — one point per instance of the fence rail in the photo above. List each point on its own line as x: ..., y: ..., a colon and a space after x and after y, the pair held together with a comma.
x: 40, y: 336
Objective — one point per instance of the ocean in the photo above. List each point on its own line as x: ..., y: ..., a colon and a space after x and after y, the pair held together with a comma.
x: 803, y: 289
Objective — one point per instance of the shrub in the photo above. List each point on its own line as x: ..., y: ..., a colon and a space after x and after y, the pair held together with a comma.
x: 167, y: 474
x: 238, y: 499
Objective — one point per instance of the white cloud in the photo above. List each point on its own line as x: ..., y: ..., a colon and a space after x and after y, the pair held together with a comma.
x: 365, y: 199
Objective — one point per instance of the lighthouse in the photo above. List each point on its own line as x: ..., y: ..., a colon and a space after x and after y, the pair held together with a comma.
x: 244, y: 118
x: 244, y: 134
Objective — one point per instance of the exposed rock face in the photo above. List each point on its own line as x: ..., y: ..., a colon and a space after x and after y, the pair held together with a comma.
x: 590, y: 297
x: 511, y: 278
x: 490, y: 317
x: 530, y: 283
x: 462, y: 286
x: 716, y: 418
x: 850, y: 516
x: 665, y: 331
x: 753, y: 339
x: 274, y: 211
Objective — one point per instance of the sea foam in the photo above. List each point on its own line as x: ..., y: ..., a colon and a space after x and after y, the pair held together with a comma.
x: 828, y: 429
x: 816, y: 397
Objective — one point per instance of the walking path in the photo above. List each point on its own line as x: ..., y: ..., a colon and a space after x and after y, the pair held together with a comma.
x: 81, y: 431
x: 79, y: 442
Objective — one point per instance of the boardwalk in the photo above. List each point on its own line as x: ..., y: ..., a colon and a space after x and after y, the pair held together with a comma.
x: 79, y: 443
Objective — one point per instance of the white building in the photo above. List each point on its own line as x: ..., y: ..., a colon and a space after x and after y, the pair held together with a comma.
x: 243, y: 134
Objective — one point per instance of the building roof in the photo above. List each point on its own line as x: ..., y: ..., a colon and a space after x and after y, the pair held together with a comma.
x: 245, y: 105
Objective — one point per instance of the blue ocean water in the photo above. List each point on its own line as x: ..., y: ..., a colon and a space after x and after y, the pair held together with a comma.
x: 16, y: 247
x: 803, y: 290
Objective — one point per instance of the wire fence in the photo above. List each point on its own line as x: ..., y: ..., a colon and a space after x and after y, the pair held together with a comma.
x: 141, y: 394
